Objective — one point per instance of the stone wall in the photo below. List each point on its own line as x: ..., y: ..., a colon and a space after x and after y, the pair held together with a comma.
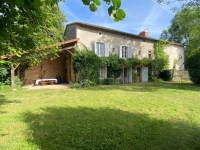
x: 46, y: 69
x: 70, y: 32
x: 141, y: 46
x: 181, y: 75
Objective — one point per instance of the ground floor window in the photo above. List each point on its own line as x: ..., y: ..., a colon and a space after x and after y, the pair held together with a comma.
x: 103, y: 72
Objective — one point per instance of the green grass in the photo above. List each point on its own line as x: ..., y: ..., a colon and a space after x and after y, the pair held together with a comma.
x: 153, y: 116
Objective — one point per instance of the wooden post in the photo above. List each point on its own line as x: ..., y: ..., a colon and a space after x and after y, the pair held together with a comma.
x: 12, y: 77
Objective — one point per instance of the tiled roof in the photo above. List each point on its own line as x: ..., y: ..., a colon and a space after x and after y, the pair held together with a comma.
x: 62, y: 44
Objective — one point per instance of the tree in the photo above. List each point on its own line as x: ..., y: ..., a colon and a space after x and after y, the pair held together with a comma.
x: 26, y: 31
x: 182, y: 3
x: 185, y: 29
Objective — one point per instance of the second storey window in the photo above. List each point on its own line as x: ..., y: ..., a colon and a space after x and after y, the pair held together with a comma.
x: 101, y: 49
x: 124, y: 52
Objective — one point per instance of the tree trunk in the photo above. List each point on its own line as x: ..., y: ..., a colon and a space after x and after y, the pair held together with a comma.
x: 12, y: 77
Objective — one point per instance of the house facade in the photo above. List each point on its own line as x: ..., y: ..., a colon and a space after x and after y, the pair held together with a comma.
x: 105, y: 41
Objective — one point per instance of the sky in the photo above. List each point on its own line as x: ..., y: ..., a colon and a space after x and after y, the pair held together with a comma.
x: 140, y: 15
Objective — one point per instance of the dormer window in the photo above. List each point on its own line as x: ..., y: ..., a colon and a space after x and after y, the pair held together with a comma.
x: 99, y: 33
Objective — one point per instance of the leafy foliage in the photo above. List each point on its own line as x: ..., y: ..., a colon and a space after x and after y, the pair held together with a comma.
x: 193, y: 65
x: 86, y: 66
x: 185, y: 29
x: 157, y: 65
x: 114, y: 10
x: 166, y: 75
x: 26, y: 28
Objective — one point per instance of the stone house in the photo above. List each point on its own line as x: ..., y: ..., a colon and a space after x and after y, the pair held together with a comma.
x: 103, y: 41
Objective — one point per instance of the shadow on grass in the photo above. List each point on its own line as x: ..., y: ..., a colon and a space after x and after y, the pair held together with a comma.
x: 147, y: 87
x: 4, y: 101
x: 87, y: 128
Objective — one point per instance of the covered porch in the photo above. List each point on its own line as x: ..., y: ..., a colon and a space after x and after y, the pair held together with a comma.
x: 60, y: 69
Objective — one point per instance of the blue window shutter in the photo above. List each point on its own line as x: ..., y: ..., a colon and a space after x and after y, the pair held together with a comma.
x: 106, y: 49
x: 130, y: 52
x: 120, y: 51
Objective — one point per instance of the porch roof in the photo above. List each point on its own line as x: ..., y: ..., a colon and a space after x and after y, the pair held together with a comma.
x: 64, y: 45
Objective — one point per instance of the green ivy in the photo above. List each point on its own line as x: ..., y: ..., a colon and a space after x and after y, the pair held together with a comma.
x: 86, y: 66
x: 161, y: 61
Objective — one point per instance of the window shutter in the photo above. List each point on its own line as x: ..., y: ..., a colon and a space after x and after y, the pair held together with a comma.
x: 130, y: 52
x: 130, y: 75
x: 106, y: 49
x: 120, y: 51
x: 95, y: 48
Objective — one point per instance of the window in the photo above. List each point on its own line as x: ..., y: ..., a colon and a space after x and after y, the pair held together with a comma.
x: 149, y: 54
x: 99, y: 33
x: 103, y: 72
x: 100, y: 49
x: 139, y: 52
x: 124, y: 52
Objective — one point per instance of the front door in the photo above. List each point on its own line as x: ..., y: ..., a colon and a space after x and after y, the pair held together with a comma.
x: 125, y: 75
x: 144, y: 74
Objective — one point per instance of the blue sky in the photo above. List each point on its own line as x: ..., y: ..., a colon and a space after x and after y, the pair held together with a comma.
x: 139, y: 15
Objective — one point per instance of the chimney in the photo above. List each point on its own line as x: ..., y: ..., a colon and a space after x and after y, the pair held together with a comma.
x: 144, y: 33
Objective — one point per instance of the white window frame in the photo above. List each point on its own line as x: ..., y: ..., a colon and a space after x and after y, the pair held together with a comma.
x: 99, y: 48
x: 124, y: 51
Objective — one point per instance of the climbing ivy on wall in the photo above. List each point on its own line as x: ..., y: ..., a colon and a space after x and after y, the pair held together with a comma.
x: 86, y: 63
x: 86, y: 66
x: 161, y: 61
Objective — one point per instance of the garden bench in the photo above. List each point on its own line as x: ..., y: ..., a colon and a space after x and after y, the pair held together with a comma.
x: 45, y: 81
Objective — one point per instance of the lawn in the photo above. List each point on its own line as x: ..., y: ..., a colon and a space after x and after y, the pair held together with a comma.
x: 141, y: 116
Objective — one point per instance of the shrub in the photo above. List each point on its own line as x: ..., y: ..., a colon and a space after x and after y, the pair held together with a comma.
x: 157, y: 65
x: 109, y: 81
x: 166, y: 75
x: 18, y: 83
x: 86, y: 66
x: 193, y: 65
x: 135, y: 76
